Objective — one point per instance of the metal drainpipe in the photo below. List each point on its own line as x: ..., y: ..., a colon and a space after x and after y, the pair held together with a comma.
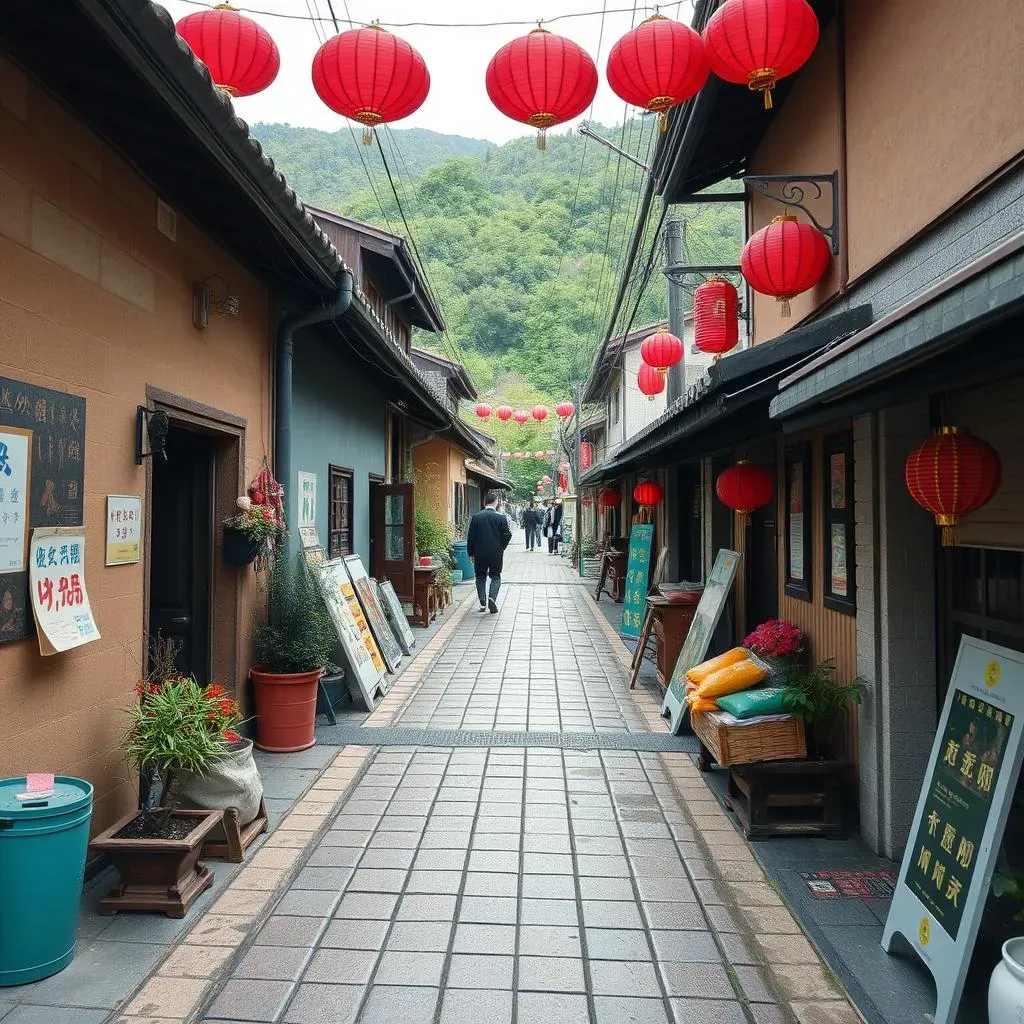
x: 285, y: 353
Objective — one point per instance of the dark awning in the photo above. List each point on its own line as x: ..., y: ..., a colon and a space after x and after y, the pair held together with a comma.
x: 488, y: 475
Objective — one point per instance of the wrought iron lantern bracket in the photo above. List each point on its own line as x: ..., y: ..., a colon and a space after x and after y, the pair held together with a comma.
x: 794, y: 190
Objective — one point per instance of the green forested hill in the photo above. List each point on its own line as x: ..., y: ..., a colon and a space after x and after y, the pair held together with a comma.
x: 523, y: 248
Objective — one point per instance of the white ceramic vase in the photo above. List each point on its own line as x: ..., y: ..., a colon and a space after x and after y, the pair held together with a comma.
x: 1006, y: 986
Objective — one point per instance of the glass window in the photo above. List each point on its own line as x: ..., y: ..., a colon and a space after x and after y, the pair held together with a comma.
x: 339, y: 512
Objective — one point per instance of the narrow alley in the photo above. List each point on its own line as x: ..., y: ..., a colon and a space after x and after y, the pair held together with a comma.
x: 436, y: 872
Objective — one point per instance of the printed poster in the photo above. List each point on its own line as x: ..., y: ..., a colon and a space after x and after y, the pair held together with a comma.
x: 60, y: 601
x: 840, y: 578
x: 15, y: 488
x: 837, y: 480
x: 306, y: 491
x: 796, y: 521
x: 124, y: 529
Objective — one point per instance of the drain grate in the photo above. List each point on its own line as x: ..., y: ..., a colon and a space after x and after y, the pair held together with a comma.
x: 397, y: 736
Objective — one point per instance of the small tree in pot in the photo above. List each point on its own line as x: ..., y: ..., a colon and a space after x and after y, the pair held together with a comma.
x: 820, y: 702
x: 292, y: 648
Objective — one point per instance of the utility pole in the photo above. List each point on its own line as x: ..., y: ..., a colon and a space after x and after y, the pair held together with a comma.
x: 675, y: 236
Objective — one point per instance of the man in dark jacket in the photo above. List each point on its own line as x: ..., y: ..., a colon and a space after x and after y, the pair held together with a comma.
x: 530, y: 526
x: 488, y: 536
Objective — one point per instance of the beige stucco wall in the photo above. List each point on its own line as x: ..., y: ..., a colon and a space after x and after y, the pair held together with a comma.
x: 431, y: 467
x: 96, y: 302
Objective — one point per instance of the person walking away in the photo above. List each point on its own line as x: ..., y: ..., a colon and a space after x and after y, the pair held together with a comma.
x: 530, y: 526
x: 553, y: 526
x: 538, y: 523
x: 486, y: 540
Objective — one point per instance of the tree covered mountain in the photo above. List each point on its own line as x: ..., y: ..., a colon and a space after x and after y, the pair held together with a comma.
x: 523, y: 247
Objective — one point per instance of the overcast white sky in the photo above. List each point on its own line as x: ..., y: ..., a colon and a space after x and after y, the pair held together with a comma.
x: 457, y: 58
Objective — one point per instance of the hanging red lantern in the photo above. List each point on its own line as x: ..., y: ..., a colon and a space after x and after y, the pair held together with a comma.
x: 744, y: 487
x: 504, y: 413
x: 240, y: 55
x: 610, y: 499
x: 564, y: 410
x: 586, y: 455
x: 541, y: 79
x: 539, y: 455
x: 661, y: 350
x: 540, y: 413
x: 519, y: 455
x: 952, y: 475
x: 785, y: 258
x: 650, y: 381
x: 483, y: 410
x: 370, y: 76
x: 563, y: 482
x: 520, y: 415
x: 716, y: 325
x: 587, y: 502
x: 757, y: 42
x: 648, y: 493
x: 658, y: 65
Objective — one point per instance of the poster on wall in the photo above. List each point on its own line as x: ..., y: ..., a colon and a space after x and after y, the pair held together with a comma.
x: 396, y: 617
x: 44, y: 435
x: 306, y: 491
x: 60, y: 600
x: 796, y: 521
x: 634, y: 597
x: 698, y: 638
x: 965, y: 800
x: 840, y: 579
x: 374, y: 613
x: 124, y: 529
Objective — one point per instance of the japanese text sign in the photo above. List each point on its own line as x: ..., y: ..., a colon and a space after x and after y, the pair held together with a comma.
x: 965, y: 800
x: 638, y: 567
x: 60, y: 601
x: 124, y: 529
x: 15, y: 477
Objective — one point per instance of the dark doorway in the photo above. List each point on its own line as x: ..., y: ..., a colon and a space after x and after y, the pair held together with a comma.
x: 763, y: 565
x: 691, y: 541
x: 181, y: 516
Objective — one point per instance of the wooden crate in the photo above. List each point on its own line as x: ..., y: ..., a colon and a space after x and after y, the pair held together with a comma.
x: 745, y: 744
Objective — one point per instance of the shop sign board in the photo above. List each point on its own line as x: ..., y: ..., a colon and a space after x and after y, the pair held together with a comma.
x: 15, y: 477
x: 374, y: 613
x: 306, y: 491
x: 124, y: 529
x: 396, y: 616
x: 60, y: 600
x: 638, y: 568
x: 698, y: 639
x: 968, y: 788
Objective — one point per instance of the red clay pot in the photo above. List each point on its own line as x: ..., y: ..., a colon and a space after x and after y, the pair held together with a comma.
x: 285, y: 709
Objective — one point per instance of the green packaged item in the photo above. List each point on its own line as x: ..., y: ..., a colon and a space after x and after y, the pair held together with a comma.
x: 752, y: 703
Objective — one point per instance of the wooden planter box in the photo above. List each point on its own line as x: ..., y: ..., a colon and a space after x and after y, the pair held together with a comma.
x: 157, y: 874
x: 745, y: 744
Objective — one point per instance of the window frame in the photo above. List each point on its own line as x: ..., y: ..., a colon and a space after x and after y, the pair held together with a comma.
x: 344, y: 473
x: 799, y: 455
x: 838, y: 445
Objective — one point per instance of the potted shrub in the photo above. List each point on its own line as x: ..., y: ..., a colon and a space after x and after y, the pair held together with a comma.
x: 1006, y: 985
x: 292, y: 649
x: 781, y: 646
x: 251, y: 534
x: 175, y: 730
x: 820, y: 702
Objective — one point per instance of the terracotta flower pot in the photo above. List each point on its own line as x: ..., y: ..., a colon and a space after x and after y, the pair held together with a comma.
x: 285, y: 709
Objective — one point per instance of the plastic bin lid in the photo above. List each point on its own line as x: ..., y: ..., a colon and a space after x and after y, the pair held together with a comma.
x: 69, y: 794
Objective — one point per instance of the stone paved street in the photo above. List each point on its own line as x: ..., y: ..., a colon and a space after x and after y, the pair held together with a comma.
x: 443, y: 885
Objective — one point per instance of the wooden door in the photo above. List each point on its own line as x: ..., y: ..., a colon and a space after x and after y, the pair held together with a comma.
x: 393, y: 536
x: 762, y: 569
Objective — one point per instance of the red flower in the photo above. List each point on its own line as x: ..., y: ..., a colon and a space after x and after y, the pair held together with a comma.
x: 140, y: 688
x: 154, y: 688
x: 215, y: 690
x: 226, y: 706
x: 231, y: 736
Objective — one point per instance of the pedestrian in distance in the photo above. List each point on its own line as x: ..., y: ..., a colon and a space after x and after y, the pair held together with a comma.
x: 530, y: 527
x: 538, y: 523
x: 486, y: 540
x: 553, y: 525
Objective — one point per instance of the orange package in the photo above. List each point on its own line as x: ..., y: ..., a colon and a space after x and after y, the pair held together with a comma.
x: 700, y: 672
x: 741, y: 675
x: 702, y: 705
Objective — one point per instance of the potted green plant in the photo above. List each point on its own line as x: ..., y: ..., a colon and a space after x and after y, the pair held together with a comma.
x: 176, y: 729
x: 292, y: 649
x: 820, y: 702
x: 251, y: 534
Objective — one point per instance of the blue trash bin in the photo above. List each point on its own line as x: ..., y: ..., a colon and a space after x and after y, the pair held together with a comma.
x: 461, y: 558
x: 43, y: 845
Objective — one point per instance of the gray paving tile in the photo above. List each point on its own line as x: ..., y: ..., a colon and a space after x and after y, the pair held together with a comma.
x: 5, y: 1008
x: 426, y: 907
x: 488, y: 909
x: 341, y: 966
x: 549, y: 940
x: 427, y: 936
x: 708, y: 1011
x: 617, y: 944
x: 356, y: 933
x: 391, y: 1004
x: 624, y: 978
x: 250, y: 1000
x: 549, y: 912
x: 606, y: 889
x: 272, y: 963
x: 339, y: 857
x: 29, y: 1014
x: 611, y: 914
x: 477, y: 970
x: 549, y: 1007
x: 330, y: 879
x: 405, y: 967
x: 685, y: 946
x: 485, y: 938
x: 316, y: 1004
x: 443, y: 882
x: 675, y: 915
x: 460, y: 1006
x: 287, y: 930
x: 754, y: 983
x: 620, y: 1009
x: 307, y: 903
x: 490, y: 883
x: 700, y: 980
x: 374, y: 906
x: 493, y: 860
x: 768, y: 1013
x: 550, y: 974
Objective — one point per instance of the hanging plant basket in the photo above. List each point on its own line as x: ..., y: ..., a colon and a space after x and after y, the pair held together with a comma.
x: 239, y: 549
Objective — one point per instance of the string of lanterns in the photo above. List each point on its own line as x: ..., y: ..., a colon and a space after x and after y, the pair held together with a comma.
x: 541, y: 79
x: 563, y: 411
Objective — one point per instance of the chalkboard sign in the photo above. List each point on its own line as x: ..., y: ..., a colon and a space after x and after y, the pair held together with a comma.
x: 961, y: 813
x: 638, y: 567
x: 698, y: 639
x: 42, y: 484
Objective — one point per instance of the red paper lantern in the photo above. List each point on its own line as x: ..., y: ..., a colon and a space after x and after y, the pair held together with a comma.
x: 564, y: 410
x: 952, y: 475
x: 504, y: 413
x: 648, y: 493
x: 716, y: 325
x: 240, y: 55
x: 658, y: 65
x: 370, y: 76
x: 650, y: 381
x: 539, y: 455
x: 545, y: 479
x: 563, y: 482
x: 586, y: 455
x: 541, y: 79
x: 519, y: 455
x: 540, y: 413
x: 661, y: 350
x: 744, y: 487
x: 483, y: 410
x: 785, y: 258
x: 757, y: 42
x: 610, y: 499
x: 520, y: 415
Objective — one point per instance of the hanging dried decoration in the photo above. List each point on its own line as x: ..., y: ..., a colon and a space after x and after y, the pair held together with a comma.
x: 542, y: 80
x: 650, y: 381
x: 658, y: 65
x: 784, y: 259
x: 757, y: 42
x: 240, y: 54
x: 716, y: 328
x: 370, y: 76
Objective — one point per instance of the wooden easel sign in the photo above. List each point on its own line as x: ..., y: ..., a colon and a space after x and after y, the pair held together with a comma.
x: 972, y: 774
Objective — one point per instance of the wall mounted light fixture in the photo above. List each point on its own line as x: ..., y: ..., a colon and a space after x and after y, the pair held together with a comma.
x: 206, y: 300
x: 153, y: 424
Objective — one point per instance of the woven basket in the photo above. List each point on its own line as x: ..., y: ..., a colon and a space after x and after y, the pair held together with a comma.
x: 744, y: 744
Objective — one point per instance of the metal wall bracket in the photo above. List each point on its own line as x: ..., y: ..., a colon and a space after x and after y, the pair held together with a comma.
x: 678, y: 272
x: 789, y: 190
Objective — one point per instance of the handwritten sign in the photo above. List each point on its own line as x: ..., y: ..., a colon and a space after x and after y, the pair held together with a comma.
x: 961, y: 813
x: 15, y: 474
x: 60, y: 601
x: 306, y: 490
x: 638, y: 567
x: 124, y: 529
x: 698, y: 638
